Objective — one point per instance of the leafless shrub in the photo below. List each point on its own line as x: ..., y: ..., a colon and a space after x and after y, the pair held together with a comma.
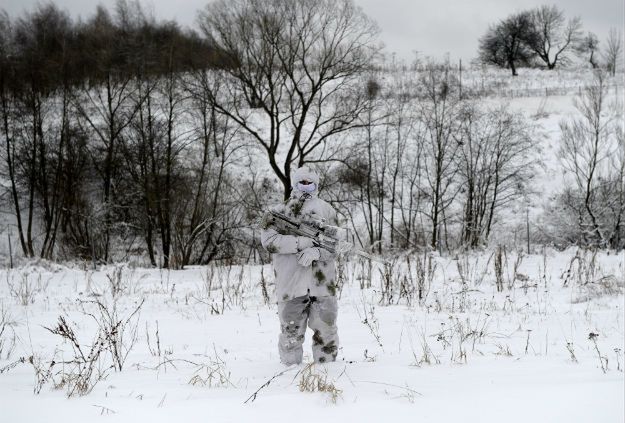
x: 503, y: 350
x: 471, y: 272
x: 583, y: 268
x: 427, y: 355
x: 605, y: 286
x: 205, y: 295
x: 81, y: 373
x: 116, y: 281
x: 121, y: 280
x: 370, y: 320
x: 459, y: 333
x: 222, y: 288
x: 7, y: 333
x: 418, y: 278
x: 389, y: 279
x: 28, y: 285
x: 87, y: 364
x: 515, y: 272
x: 120, y: 332
x: 311, y: 381
x: 43, y: 372
x: 589, y: 278
x: 213, y: 374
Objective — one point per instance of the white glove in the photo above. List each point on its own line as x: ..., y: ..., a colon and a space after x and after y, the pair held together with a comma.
x: 306, y: 257
x: 304, y: 242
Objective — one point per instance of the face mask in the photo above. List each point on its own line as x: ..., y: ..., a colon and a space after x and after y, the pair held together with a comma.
x: 306, y: 188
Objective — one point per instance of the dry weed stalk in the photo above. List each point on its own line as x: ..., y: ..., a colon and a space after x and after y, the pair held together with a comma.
x: 603, y: 361
x: 499, y: 259
x: 311, y: 381
x: 370, y: 320
x: 570, y: 348
x: 26, y: 288
x: 8, y: 337
x: 214, y: 374
x: 87, y: 365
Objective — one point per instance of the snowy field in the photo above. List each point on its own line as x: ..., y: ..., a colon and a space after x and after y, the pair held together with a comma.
x: 431, y: 339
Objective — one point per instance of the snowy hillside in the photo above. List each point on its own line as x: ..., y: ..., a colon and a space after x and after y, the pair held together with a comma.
x: 428, y: 339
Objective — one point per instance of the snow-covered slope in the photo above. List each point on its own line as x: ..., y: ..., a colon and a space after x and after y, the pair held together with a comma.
x: 205, y: 342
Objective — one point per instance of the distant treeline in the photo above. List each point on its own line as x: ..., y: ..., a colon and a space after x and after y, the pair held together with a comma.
x: 45, y: 49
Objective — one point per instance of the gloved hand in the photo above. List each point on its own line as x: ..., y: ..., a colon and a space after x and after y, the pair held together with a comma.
x: 306, y: 257
x: 304, y: 242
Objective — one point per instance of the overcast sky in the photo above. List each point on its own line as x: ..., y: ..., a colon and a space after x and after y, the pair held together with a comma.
x: 433, y: 27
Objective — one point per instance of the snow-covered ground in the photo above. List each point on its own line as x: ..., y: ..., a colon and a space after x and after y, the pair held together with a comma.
x: 205, y: 341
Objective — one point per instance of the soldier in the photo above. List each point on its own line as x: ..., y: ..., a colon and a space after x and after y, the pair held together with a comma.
x: 305, y: 276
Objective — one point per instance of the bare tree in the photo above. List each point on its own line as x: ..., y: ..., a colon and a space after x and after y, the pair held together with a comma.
x: 505, y: 44
x: 8, y: 112
x: 493, y: 166
x: 589, y: 45
x: 293, y: 69
x: 551, y: 36
x: 613, y: 51
x: 588, y: 142
x: 616, y: 195
x: 438, y: 112
x: 207, y: 212
x: 363, y: 177
x: 36, y: 88
x: 105, y: 109
x: 404, y: 130
x: 411, y: 195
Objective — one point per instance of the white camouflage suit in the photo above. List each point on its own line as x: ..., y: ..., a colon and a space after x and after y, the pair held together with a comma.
x: 304, y: 277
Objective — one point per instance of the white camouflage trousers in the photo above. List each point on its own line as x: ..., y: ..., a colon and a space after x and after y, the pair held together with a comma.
x: 319, y: 313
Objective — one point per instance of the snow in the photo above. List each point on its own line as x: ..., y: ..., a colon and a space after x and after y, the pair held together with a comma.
x: 493, y: 356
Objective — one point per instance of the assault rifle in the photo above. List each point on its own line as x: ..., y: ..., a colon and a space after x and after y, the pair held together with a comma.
x: 322, y: 235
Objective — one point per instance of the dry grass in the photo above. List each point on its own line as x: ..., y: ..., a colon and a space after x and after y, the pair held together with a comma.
x: 313, y: 381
